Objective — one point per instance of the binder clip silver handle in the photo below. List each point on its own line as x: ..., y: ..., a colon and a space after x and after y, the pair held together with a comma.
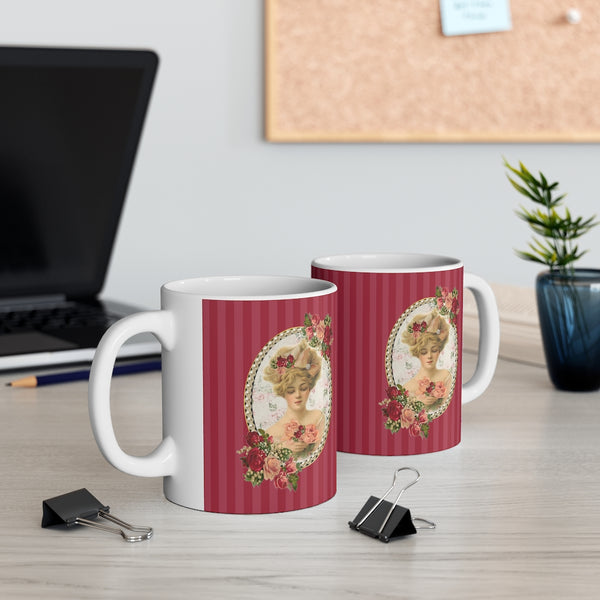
x: 387, y: 517
x: 80, y: 507
x: 143, y: 533
x: 386, y: 520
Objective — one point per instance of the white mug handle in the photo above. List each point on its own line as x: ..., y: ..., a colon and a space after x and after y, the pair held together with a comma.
x: 489, y: 338
x: 162, y: 460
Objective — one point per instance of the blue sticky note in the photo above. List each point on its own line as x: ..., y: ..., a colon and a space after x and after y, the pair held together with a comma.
x: 461, y: 17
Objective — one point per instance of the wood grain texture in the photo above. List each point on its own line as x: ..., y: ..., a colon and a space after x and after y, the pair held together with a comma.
x: 382, y: 71
x: 516, y: 506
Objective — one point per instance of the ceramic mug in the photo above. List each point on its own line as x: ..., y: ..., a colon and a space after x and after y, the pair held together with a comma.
x: 399, y: 341
x: 247, y: 393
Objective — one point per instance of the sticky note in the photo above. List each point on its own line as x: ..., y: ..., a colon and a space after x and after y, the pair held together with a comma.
x: 462, y: 17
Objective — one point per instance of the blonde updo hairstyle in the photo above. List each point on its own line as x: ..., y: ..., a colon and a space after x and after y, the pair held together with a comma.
x: 307, y: 367
x: 436, y: 331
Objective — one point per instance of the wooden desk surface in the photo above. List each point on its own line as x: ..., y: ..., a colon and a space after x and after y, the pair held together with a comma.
x: 517, y: 507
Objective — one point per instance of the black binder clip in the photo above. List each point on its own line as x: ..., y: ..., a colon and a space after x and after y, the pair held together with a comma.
x: 80, y: 507
x: 383, y: 520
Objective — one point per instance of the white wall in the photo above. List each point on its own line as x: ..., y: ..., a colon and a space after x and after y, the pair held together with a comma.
x: 210, y: 196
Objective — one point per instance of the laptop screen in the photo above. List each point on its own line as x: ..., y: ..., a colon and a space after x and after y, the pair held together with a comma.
x: 70, y: 122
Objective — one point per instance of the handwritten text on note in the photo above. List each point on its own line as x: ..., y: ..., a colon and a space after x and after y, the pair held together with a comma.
x: 461, y: 17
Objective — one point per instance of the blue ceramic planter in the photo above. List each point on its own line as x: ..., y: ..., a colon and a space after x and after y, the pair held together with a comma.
x: 569, y: 310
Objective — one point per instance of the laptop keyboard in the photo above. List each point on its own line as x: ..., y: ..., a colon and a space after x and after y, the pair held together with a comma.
x: 64, y: 316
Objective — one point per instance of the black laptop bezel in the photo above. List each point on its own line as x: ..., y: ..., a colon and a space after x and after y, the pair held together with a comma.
x: 147, y: 62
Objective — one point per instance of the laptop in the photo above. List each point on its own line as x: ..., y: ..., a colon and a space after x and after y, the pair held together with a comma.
x: 70, y: 124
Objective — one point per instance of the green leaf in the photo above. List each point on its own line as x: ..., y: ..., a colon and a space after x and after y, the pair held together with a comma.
x: 558, y: 231
x: 523, y: 191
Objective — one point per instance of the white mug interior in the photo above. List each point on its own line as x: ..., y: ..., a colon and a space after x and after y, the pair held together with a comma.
x: 387, y: 262
x: 250, y: 287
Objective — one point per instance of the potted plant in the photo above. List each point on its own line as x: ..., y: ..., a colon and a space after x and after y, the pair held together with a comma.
x: 568, y: 298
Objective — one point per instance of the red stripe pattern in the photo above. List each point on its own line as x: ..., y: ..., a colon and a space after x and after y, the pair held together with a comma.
x: 234, y: 333
x: 369, y: 304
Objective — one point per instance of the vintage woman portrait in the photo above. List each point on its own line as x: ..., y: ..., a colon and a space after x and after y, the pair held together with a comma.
x: 288, y: 396
x: 421, y: 363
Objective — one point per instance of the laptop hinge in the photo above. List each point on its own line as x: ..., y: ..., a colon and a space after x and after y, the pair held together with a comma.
x: 25, y: 302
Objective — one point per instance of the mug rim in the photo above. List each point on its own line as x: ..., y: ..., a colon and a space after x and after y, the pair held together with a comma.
x: 249, y: 287
x: 387, y: 262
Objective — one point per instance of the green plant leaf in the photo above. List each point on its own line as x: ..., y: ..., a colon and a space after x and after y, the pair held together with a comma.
x: 522, y: 190
x: 558, y: 232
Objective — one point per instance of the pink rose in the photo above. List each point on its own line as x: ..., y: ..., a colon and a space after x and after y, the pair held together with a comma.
x: 448, y: 302
x: 310, y: 435
x: 407, y: 418
x: 422, y: 418
x: 320, y: 331
x: 253, y: 438
x: 393, y: 410
x: 271, y: 467
x: 256, y: 459
x: 310, y: 332
x: 290, y: 466
x: 440, y: 390
x: 414, y: 430
x: 314, y: 319
x: 289, y: 429
x: 280, y: 481
x: 423, y: 385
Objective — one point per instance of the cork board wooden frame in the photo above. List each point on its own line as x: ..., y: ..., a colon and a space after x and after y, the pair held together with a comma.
x: 382, y: 71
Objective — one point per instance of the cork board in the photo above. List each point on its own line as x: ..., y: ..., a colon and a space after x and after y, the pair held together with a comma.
x: 382, y: 71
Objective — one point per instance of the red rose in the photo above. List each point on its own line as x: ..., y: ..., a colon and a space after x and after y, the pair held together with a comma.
x: 256, y: 459
x: 299, y: 432
x: 253, y: 438
x: 327, y: 334
x: 393, y: 392
x: 394, y: 409
x: 418, y: 327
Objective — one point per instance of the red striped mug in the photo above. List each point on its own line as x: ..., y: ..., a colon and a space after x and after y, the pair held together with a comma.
x: 399, y: 350
x: 247, y: 385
